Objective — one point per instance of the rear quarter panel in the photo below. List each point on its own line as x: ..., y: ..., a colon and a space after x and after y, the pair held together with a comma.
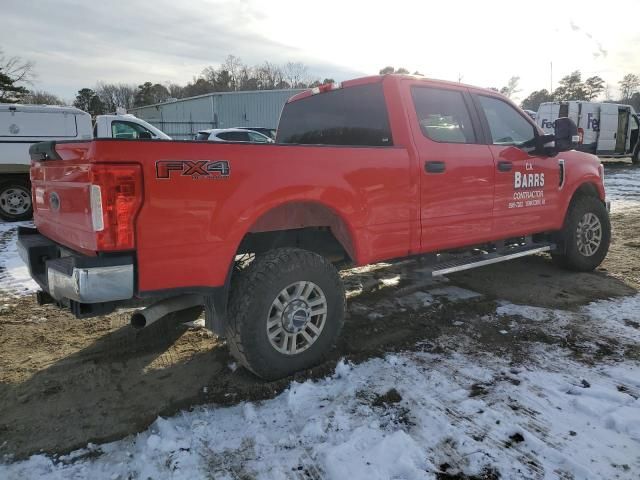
x: 189, y: 227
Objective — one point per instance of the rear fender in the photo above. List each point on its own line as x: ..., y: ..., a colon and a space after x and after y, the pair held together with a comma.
x: 296, y: 215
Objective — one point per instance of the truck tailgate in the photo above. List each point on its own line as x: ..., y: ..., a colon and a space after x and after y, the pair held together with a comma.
x: 61, y: 187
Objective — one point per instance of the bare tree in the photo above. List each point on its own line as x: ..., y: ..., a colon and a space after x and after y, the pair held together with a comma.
x: 295, y: 74
x: 511, y: 88
x: 114, y: 95
x: 268, y: 76
x: 628, y: 86
x: 40, y: 97
x: 234, y: 66
x: 175, y: 90
x: 19, y: 70
x: 14, y: 74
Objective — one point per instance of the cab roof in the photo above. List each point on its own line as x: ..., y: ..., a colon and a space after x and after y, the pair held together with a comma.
x: 393, y: 77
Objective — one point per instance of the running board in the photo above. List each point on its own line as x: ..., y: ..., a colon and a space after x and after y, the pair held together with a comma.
x: 468, y: 263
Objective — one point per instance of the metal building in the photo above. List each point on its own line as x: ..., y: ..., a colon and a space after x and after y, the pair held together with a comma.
x: 181, y: 119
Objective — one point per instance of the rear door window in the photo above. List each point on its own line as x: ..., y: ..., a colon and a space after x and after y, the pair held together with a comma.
x: 443, y: 115
x: 507, y: 125
x: 354, y: 116
x: 258, y: 138
x: 234, y: 136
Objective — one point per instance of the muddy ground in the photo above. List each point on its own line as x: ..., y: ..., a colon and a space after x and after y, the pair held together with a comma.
x: 65, y: 382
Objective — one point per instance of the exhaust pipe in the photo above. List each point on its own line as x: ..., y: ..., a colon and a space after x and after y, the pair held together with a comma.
x: 147, y: 316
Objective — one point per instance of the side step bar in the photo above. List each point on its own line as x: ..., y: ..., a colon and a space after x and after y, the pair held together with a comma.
x: 481, y: 260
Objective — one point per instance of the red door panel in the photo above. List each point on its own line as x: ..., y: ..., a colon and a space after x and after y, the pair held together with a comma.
x: 526, y: 184
x: 527, y: 194
x: 456, y: 172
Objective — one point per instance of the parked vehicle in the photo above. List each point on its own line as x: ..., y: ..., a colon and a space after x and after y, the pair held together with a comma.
x: 126, y: 126
x: 531, y: 113
x: 23, y: 125
x: 374, y: 169
x: 606, y: 129
x: 268, y: 132
x: 232, y: 135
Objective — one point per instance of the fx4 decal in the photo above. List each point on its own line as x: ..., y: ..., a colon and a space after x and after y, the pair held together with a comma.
x: 192, y: 168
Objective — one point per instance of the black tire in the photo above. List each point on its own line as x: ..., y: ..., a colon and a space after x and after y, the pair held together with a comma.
x: 571, y: 255
x: 635, y: 157
x: 17, y: 190
x: 255, y: 288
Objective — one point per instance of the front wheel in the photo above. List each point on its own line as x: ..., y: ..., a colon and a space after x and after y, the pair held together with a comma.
x: 285, y: 311
x: 585, y: 237
x: 15, y: 201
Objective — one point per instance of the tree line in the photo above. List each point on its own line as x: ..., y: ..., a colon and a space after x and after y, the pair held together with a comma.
x: 234, y: 75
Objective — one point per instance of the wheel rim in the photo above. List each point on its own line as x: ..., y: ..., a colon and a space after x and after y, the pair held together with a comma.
x: 589, y: 234
x: 15, y: 201
x: 296, y: 317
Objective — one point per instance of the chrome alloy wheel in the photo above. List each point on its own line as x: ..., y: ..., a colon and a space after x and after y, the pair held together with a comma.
x: 589, y: 234
x: 15, y: 201
x: 296, y: 317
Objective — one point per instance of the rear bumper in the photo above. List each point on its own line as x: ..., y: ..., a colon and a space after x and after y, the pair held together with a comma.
x: 74, y: 279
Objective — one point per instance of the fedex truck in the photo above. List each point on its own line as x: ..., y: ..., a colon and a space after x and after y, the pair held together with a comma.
x: 23, y: 125
x: 605, y: 129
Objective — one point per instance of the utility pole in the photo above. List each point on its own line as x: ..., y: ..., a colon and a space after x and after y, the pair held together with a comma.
x: 551, y: 79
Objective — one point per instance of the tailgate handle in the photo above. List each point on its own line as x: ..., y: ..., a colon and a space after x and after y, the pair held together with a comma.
x: 434, y: 167
x: 505, y: 166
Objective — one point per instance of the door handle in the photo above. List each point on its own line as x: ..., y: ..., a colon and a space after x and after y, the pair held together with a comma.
x: 434, y: 167
x: 505, y: 166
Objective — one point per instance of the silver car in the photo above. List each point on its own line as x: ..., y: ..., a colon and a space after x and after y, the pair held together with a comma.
x: 232, y: 135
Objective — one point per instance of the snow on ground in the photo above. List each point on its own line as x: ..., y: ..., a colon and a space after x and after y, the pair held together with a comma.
x: 14, y: 275
x: 622, y: 187
x: 410, y: 415
x: 413, y: 415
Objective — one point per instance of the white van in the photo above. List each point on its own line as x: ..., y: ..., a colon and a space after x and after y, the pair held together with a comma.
x: 23, y: 125
x: 605, y: 129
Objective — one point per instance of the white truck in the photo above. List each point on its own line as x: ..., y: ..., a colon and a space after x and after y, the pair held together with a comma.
x: 23, y: 125
x: 605, y: 129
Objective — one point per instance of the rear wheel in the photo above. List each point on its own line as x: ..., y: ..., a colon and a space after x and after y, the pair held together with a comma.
x: 15, y: 200
x: 585, y: 236
x: 285, y: 311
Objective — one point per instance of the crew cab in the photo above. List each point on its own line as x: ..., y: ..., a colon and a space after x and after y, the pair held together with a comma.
x: 372, y: 169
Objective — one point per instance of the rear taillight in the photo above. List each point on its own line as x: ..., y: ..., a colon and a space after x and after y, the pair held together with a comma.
x: 580, y: 135
x: 115, y: 198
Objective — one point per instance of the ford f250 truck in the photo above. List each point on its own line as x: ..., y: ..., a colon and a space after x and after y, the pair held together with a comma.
x: 372, y: 169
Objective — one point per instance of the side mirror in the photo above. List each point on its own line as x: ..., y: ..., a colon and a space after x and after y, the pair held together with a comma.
x: 145, y: 135
x: 566, y: 134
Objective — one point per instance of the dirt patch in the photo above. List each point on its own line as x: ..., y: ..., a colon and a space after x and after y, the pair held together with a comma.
x: 65, y: 382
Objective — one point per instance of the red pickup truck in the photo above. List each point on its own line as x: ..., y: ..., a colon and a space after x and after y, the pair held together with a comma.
x: 372, y: 169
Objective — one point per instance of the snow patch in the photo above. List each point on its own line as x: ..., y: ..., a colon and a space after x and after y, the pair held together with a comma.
x: 14, y: 274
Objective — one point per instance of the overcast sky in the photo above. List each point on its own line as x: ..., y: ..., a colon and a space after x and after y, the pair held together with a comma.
x: 75, y: 43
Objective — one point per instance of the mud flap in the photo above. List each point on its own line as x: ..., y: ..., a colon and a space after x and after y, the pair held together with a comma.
x: 215, y: 311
